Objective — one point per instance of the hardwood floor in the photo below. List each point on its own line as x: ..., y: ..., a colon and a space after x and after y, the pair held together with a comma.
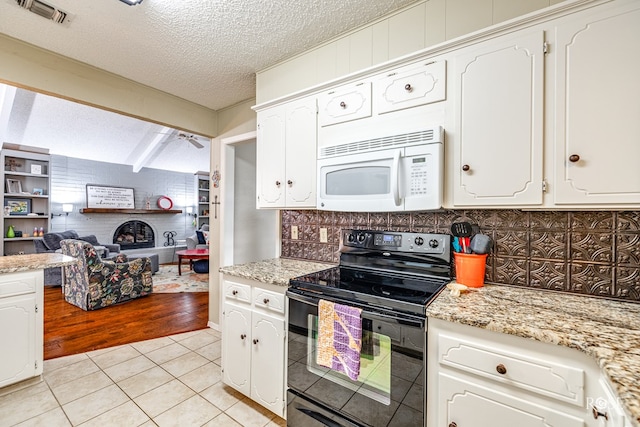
x: 70, y: 330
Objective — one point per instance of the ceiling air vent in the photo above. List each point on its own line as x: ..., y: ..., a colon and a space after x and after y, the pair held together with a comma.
x: 45, y: 10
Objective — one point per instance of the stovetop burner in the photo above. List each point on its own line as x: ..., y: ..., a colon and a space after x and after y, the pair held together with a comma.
x: 391, y: 270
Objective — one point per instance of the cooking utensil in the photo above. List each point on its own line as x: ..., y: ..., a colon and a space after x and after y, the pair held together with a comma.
x: 462, y: 231
x: 481, y: 244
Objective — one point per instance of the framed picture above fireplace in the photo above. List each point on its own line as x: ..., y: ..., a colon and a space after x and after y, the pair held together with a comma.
x: 101, y: 196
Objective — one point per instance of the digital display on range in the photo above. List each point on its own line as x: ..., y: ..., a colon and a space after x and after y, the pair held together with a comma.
x: 387, y: 240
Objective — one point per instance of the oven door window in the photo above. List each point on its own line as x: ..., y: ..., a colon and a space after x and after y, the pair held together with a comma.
x: 389, y: 390
x: 374, y: 380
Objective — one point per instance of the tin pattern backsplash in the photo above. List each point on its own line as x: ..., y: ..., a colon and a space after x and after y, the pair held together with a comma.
x: 594, y: 253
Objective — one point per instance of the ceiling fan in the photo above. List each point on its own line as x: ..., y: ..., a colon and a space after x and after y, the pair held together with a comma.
x: 192, y: 139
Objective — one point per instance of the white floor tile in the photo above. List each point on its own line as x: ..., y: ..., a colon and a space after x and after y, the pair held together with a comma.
x: 203, y: 377
x: 184, y: 364
x: 222, y: 420
x: 222, y: 396
x: 148, y: 346
x: 145, y: 381
x: 249, y: 414
x: 167, y: 353
x: 70, y: 372
x: 81, y: 387
x: 163, y: 398
x: 129, y: 368
x: 194, y: 411
x: 112, y: 358
x: 94, y: 404
x: 127, y: 414
x: 25, y: 404
x: 52, y: 418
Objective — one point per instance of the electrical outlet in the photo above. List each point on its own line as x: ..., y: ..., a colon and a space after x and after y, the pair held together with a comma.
x: 323, y: 235
x: 294, y: 232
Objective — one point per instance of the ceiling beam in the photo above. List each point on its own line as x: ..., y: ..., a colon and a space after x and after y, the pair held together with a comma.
x: 151, y: 149
x: 7, y: 96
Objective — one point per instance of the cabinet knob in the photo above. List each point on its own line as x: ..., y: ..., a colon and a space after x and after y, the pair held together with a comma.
x: 597, y: 413
x: 574, y: 158
x: 277, y: 183
x: 466, y: 168
x: 452, y: 424
x: 501, y: 369
x: 243, y: 336
x: 234, y: 292
x: 343, y: 105
x: 255, y: 341
x: 290, y: 182
x: 408, y: 87
x: 266, y: 300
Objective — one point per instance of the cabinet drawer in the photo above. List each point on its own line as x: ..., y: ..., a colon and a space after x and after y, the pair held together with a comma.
x: 271, y: 301
x: 537, y: 375
x: 237, y: 292
x: 19, y: 283
x: 410, y: 86
x: 345, y: 103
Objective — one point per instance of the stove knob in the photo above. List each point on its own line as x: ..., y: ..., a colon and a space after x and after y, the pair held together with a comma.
x: 419, y: 241
x: 361, y: 237
x: 350, y: 237
x: 433, y: 243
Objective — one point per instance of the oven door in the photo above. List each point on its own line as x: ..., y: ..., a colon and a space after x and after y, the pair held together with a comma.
x: 390, y: 387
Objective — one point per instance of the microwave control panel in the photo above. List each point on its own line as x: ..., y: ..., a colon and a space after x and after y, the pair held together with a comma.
x: 419, y: 167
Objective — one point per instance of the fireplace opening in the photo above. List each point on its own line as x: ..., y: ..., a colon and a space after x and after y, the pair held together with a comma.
x: 134, y: 235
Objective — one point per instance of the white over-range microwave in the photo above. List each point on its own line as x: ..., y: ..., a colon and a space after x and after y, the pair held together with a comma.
x: 390, y: 174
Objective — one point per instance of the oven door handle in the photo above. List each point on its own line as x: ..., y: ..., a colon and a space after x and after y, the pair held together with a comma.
x: 319, y: 417
x: 311, y: 300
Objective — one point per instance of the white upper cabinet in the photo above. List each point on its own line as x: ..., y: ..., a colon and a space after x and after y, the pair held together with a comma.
x: 349, y: 102
x: 597, y: 111
x: 497, y: 141
x: 410, y: 86
x: 286, y: 155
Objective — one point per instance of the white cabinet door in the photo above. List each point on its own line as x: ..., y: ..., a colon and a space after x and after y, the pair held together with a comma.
x: 236, y: 349
x: 410, y: 86
x: 267, y: 362
x: 286, y: 155
x: 345, y: 103
x: 18, y: 338
x: 270, y: 153
x: 466, y: 403
x: 597, y: 109
x: 498, y: 132
x: 301, y: 139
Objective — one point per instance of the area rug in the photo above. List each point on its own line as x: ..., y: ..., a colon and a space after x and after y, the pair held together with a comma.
x: 166, y: 280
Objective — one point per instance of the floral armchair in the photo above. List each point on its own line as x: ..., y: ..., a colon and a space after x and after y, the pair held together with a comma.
x: 93, y: 283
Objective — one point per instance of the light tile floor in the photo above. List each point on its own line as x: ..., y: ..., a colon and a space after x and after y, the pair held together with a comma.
x: 170, y: 381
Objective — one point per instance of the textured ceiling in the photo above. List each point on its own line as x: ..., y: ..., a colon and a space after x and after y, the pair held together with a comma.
x: 205, y: 51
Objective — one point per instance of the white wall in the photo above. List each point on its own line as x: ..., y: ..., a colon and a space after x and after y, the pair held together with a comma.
x: 254, y: 233
x: 69, y: 177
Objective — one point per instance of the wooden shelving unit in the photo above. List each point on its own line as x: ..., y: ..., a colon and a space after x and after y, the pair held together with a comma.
x: 27, y: 183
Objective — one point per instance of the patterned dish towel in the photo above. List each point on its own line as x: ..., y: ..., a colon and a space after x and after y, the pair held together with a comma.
x: 339, y: 338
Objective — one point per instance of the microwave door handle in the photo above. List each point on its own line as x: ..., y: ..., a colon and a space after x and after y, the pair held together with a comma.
x: 395, y: 172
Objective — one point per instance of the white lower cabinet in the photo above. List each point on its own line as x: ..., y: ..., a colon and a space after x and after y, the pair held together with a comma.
x: 481, y: 378
x: 21, y: 326
x: 253, y: 342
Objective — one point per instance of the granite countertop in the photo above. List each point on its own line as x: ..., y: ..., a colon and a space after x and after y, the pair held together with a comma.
x: 15, y: 263
x: 608, y: 331
x: 275, y: 271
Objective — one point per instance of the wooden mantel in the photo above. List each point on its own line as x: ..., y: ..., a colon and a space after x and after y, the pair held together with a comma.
x: 129, y: 211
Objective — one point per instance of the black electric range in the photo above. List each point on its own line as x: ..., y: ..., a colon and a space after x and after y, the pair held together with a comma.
x: 388, y: 270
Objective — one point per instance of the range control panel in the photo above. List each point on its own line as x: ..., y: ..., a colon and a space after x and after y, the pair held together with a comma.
x: 396, y: 241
